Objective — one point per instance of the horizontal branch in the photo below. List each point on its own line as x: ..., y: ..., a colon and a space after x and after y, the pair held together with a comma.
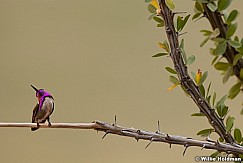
x: 139, y: 134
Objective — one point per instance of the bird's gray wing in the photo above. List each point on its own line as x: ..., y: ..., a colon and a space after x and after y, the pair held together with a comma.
x: 35, y: 111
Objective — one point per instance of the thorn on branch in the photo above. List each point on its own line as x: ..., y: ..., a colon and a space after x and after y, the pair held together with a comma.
x: 180, y: 12
x: 210, y: 140
x: 137, y: 139
x: 184, y: 152
x: 170, y: 145
x: 167, y: 136
x: 212, y: 122
x: 114, y: 122
x: 203, y: 146
x: 158, y: 131
x: 212, y: 110
x: 106, y: 133
x: 217, y: 143
x: 200, y: 100
x: 180, y: 34
x: 168, y: 30
x: 151, y: 140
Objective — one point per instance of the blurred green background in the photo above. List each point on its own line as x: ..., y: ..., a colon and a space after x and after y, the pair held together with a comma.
x: 95, y: 58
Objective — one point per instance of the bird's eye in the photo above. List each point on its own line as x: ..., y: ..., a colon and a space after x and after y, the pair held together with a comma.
x: 40, y: 93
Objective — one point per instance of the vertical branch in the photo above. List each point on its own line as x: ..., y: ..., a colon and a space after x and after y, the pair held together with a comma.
x: 185, y: 79
x: 216, y: 21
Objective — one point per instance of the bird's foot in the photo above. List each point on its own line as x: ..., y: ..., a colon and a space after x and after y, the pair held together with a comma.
x: 49, y: 124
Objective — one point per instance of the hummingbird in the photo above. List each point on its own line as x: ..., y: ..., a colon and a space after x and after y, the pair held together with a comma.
x: 43, y: 108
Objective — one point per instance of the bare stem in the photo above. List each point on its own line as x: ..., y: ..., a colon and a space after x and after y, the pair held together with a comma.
x: 137, y: 134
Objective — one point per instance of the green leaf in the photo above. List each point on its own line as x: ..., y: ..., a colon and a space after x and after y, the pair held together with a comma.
x: 196, y: 16
x: 190, y: 59
x: 225, y: 111
x: 234, y: 90
x: 222, y: 100
x: 215, y: 154
x: 221, y: 139
x: 171, y: 70
x: 218, y: 39
x: 236, y: 59
x: 181, y: 22
x: 219, y: 110
x: 225, y: 15
x: 241, y: 112
x: 216, y: 32
x: 232, y: 16
x: 223, y: 4
x: 234, y: 44
x: 199, y: 7
x: 160, y: 25
x: 160, y: 54
x: 151, y: 16
x: 202, y: 1
x: 178, y: 23
x: 241, y: 73
x: 222, y: 110
x: 214, y: 59
x: 182, y: 44
x: 236, y: 39
x: 231, y: 30
x: 159, y: 20
x: 147, y: 1
x: 229, y: 123
x: 208, y: 98
x: 221, y: 66
x: 214, y: 98
x: 206, y: 32
x: 205, y: 132
x: 193, y: 75
x: 183, y: 53
x: 208, y: 89
x: 165, y: 46
x: 202, y: 90
x: 212, y: 7
x: 204, y: 77
x: 227, y: 74
x: 237, y: 135
x: 221, y: 48
x: 197, y: 115
x: 173, y: 80
x: 204, y: 41
x: 151, y: 9
x: 170, y: 4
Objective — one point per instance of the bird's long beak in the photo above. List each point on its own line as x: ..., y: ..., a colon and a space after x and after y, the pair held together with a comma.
x: 34, y: 88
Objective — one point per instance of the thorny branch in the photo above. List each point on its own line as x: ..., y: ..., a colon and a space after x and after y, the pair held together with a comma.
x: 185, y: 79
x: 139, y: 135
x: 216, y: 21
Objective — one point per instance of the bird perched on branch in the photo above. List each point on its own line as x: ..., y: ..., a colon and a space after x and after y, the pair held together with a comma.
x: 43, y: 108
